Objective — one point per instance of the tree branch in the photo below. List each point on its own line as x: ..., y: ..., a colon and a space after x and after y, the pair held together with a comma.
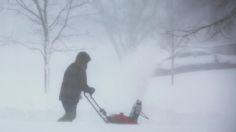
x: 217, y: 23
x: 79, y: 5
x: 24, y: 14
x: 64, y: 24
x: 43, y: 20
x: 55, y: 21
x: 25, y: 7
x: 45, y: 12
x: 28, y: 46
x: 71, y: 49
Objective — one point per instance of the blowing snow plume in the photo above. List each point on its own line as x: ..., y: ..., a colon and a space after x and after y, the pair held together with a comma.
x: 138, y: 68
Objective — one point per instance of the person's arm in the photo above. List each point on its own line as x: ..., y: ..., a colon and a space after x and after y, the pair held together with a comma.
x: 83, y: 82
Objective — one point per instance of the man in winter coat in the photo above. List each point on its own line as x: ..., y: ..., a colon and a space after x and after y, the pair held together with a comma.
x: 74, y: 82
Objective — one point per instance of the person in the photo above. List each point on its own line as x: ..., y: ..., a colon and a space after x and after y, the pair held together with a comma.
x: 136, y: 110
x: 74, y: 82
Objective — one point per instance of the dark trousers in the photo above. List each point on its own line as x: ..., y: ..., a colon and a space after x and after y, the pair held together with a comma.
x: 70, y: 110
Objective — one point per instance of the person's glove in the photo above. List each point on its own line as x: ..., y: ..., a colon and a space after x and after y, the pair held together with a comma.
x: 91, y: 90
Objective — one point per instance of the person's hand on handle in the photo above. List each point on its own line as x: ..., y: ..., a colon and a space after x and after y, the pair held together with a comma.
x: 91, y: 90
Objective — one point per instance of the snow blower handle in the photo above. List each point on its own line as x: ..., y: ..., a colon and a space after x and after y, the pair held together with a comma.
x: 95, y: 102
x: 144, y: 116
x: 100, y: 108
x: 101, y: 112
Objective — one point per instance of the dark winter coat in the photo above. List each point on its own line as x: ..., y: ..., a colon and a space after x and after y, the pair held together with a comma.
x: 74, y: 82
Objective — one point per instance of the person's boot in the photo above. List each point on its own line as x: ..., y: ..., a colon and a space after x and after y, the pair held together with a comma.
x: 64, y: 118
x: 68, y: 117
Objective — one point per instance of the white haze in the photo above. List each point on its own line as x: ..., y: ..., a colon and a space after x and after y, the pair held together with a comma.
x: 198, y: 102
x: 202, y: 99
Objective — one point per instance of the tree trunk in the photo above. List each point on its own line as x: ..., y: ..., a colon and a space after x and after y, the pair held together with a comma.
x: 172, y: 44
x: 46, y: 64
x: 172, y: 68
x: 46, y: 73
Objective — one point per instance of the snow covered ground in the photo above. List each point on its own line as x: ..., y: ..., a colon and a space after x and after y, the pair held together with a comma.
x: 191, y: 107
x: 198, y: 102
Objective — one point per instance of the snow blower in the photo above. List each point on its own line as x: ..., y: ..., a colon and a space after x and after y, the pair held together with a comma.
x: 117, y: 118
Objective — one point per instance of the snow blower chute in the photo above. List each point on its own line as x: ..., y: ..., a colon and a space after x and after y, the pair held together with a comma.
x: 117, y: 118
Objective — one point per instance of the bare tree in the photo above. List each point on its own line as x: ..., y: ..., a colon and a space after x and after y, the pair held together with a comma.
x: 172, y: 42
x: 219, y: 16
x: 127, y: 22
x: 51, y: 18
x: 2, y: 4
x: 165, y: 30
x: 223, y: 18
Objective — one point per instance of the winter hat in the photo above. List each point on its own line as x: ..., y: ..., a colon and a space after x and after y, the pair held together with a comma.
x: 82, y: 57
